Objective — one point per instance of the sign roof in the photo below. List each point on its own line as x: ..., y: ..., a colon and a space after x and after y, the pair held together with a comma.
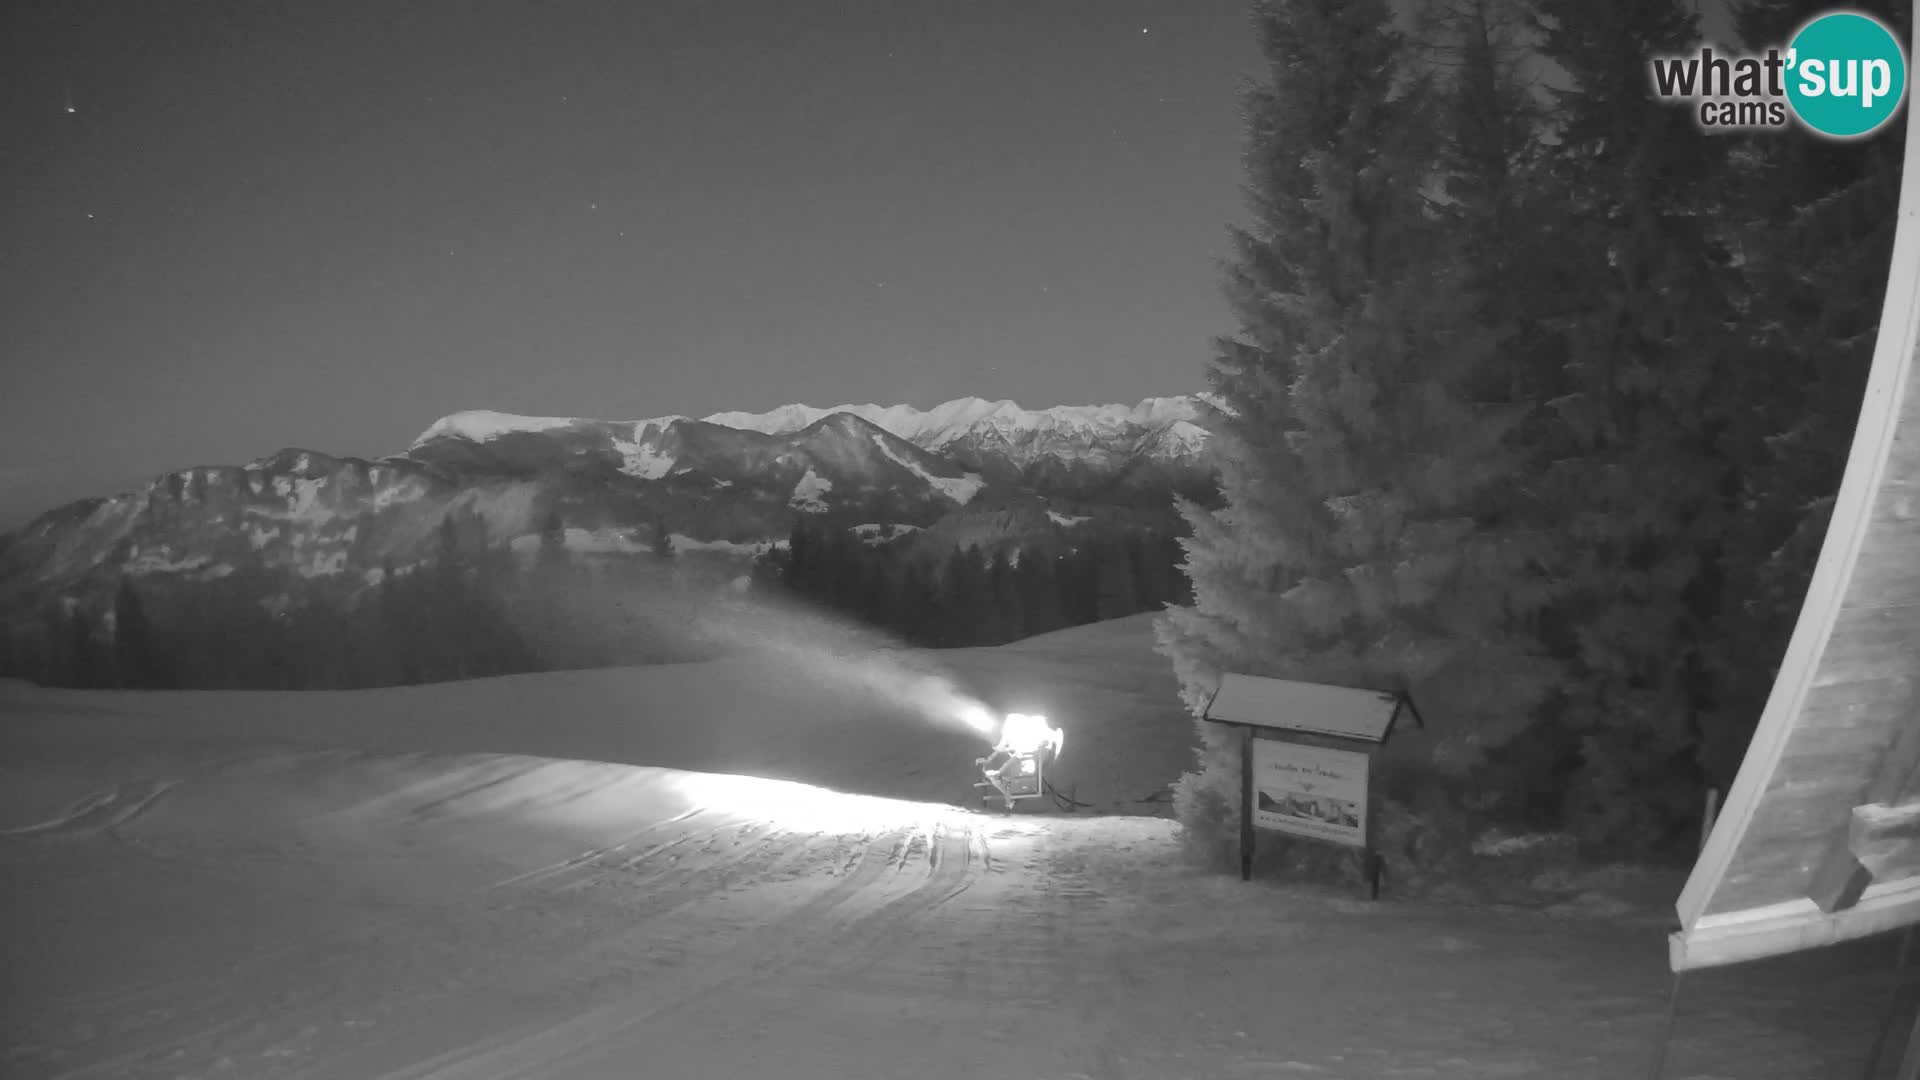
x: 1300, y: 706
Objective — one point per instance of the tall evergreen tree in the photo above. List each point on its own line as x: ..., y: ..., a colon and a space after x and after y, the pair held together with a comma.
x: 397, y: 617
x: 1365, y: 462
x: 1009, y: 615
x: 1116, y: 576
x: 137, y: 655
x: 1076, y: 574
x: 554, y: 559
x: 86, y: 667
x: 800, y: 570
x: 956, y: 591
x: 1650, y: 415
x: 1174, y: 587
x: 1040, y: 593
x: 448, y: 602
x: 446, y: 546
x: 1500, y: 215
x: 918, y: 605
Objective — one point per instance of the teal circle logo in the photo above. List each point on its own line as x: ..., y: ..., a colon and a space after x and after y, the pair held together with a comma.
x: 1847, y: 74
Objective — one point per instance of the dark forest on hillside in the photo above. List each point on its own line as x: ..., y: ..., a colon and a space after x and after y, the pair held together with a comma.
x: 473, y: 609
x: 970, y: 597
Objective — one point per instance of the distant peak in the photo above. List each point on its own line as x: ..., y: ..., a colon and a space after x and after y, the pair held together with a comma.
x: 953, y: 417
x: 840, y: 420
x: 479, y: 425
x: 294, y: 459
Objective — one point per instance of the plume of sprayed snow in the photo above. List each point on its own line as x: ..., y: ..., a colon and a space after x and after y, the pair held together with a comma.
x: 814, y: 650
x: 830, y: 654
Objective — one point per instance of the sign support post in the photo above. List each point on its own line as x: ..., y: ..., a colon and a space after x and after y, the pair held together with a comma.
x: 1373, y: 861
x: 1246, y: 804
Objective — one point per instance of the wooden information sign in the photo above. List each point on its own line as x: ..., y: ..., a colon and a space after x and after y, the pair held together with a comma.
x: 1306, y: 760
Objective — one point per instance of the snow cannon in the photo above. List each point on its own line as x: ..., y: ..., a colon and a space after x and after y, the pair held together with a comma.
x: 1016, y: 769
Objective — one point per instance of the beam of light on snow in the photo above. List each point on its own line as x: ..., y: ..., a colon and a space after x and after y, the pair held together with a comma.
x: 798, y: 807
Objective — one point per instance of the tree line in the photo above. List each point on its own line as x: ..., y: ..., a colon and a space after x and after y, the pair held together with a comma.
x: 970, y: 596
x: 1538, y: 399
x: 468, y: 608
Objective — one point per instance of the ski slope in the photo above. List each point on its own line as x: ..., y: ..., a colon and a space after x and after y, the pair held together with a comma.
x: 571, y: 875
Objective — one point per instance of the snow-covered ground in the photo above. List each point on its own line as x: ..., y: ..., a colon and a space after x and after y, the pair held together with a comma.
x: 546, y: 876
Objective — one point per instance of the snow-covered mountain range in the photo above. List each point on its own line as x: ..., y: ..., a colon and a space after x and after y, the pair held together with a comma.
x: 733, y: 481
x: 981, y: 433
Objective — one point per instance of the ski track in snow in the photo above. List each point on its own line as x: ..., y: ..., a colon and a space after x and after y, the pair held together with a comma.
x: 267, y: 911
x: 100, y: 811
x: 705, y: 943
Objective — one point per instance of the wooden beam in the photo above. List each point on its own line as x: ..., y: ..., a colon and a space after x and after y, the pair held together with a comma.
x: 1901, y: 769
x: 1885, y: 840
x: 1792, y: 927
x: 1843, y: 876
x: 1839, y: 881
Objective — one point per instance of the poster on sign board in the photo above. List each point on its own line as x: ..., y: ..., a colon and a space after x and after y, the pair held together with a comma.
x: 1310, y: 791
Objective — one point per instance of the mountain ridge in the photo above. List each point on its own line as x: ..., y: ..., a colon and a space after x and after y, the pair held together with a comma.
x: 305, y: 515
x: 939, y: 426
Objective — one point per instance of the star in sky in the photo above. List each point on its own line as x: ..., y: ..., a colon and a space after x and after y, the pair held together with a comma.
x: 198, y: 201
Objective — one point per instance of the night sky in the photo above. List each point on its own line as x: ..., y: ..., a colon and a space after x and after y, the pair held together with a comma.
x: 324, y: 224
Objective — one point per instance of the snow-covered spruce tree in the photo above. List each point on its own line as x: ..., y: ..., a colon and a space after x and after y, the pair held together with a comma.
x: 1362, y: 420
x: 1815, y: 238
x: 139, y: 662
x: 1642, y: 483
x: 1501, y: 222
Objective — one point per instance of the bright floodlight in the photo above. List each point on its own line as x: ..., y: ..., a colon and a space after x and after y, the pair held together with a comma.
x: 1026, y: 733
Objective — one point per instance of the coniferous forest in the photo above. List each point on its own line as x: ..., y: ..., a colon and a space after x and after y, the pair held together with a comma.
x: 1538, y: 400
x: 969, y: 597
x: 474, y: 608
